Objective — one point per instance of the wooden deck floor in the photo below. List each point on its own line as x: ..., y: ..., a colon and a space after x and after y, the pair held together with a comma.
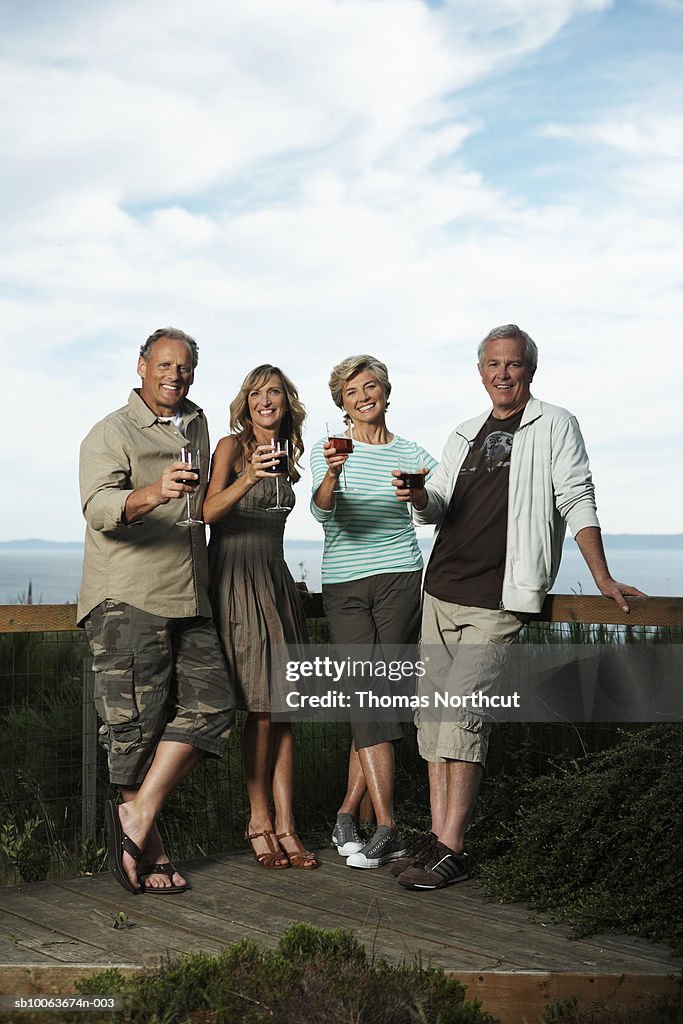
x: 52, y: 932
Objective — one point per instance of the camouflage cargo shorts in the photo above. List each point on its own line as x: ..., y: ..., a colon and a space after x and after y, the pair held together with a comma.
x: 156, y: 679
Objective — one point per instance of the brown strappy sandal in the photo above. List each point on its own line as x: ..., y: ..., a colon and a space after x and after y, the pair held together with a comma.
x: 301, y: 857
x: 274, y: 854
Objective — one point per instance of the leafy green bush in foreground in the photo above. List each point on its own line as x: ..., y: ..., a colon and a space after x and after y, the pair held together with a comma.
x: 313, y: 977
x: 599, y: 841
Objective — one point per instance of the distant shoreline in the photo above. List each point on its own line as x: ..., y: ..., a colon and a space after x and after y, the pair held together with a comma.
x: 616, y: 541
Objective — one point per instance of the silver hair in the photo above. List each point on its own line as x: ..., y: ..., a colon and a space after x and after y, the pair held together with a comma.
x: 515, y: 333
x: 173, y: 334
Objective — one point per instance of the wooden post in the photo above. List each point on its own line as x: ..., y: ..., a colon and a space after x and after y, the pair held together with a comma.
x: 88, y: 757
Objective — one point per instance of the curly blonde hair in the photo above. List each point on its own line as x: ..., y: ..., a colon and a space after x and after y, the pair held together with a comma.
x: 343, y: 372
x: 292, y: 423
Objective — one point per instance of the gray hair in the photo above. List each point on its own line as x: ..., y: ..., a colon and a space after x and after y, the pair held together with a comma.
x: 515, y: 333
x: 173, y: 334
x: 343, y: 372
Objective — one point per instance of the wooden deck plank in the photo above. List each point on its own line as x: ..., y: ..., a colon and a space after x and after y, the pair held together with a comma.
x: 71, y: 917
x: 391, y: 914
x: 488, y: 922
x: 233, y: 898
x: 21, y: 941
x: 200, y: 912
x: 225, y: 910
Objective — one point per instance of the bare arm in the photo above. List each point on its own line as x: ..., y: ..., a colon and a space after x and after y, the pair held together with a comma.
x: 591, y: 547
x: 227, y: 459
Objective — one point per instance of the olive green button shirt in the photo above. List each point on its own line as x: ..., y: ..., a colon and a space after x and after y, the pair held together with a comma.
x: 152, y: 563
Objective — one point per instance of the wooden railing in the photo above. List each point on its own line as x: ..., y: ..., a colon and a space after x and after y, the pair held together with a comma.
x: 645, y: 611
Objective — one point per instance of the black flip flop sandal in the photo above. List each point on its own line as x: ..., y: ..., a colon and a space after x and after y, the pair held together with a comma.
x: 117, y: 843
x: 167, y: 869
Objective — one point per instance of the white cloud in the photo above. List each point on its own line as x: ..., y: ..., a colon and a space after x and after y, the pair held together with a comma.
x: 645, y: 148
x: 642, y: 134
x: 290, y: 181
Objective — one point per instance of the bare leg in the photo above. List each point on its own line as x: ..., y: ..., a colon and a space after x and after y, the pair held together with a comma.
x: 258, y: 759
x: 463, y: 780
x: 282, y: 747
x: 283, y: 775
x: 356, y: 786
x: 154, y: 852
x: 438, y: 794
x: 172, y: 763
x: 377, y: 763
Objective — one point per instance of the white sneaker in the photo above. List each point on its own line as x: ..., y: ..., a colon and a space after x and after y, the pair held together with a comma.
x: 345, y: 835
x: 386, y: 845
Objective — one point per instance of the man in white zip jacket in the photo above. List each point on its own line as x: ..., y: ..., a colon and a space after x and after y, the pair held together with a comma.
x: 508, y: 484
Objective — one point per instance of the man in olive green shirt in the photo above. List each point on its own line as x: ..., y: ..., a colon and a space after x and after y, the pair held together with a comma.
x: 161, y: 685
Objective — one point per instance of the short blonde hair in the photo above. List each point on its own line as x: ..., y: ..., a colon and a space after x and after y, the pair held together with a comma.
x: 343, y: 372
x: 292, y: 424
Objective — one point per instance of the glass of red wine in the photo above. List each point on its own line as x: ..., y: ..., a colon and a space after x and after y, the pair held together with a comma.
x: 343, y: 445
x: 191, y: 458
x: 412, y: 476
x: 280, y: 452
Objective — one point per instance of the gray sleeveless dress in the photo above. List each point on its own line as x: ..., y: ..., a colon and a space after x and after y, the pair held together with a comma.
x: 256, y: 604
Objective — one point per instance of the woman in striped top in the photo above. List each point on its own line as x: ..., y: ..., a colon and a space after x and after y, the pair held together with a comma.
x: 371, y: 576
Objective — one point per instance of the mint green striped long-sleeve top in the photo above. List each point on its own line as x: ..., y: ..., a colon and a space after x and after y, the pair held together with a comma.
x: 368, y: 531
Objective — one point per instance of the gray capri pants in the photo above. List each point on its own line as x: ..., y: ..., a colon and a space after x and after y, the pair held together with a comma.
x: 375, y: 611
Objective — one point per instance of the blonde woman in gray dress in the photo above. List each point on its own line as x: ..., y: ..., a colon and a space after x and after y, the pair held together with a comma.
x: 256, y: 603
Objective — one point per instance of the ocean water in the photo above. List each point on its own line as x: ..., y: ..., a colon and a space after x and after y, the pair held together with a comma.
x: 55, y: 574
x: 656, y: 571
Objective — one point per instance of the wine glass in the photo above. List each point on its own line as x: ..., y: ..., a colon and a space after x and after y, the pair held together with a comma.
x: 344, y: 446
x: 280, y: 451
x: 191, y: 458
x: 412, y: 476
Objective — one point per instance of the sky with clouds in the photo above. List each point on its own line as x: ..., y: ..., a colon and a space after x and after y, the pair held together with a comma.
x: 295, y: 181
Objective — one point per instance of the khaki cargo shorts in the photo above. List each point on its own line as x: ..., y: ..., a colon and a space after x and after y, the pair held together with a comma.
x: 464, y: 650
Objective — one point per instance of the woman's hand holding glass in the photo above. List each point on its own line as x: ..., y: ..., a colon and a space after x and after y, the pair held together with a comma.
x: 271, y: 460
x: 263, y: 463
x: 334, y: 458
x: 336, y: 450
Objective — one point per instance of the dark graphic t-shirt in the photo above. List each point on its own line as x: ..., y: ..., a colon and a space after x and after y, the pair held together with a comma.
x: 468, y: 560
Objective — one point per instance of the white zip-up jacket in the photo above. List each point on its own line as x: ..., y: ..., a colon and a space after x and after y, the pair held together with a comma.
x: 550, y: 487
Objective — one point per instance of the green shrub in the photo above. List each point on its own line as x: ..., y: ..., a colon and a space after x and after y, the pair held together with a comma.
x: 599, y: 840
x: 313, y: 977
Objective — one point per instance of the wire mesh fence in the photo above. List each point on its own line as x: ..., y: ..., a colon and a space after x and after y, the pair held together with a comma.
x: 53, y: 775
